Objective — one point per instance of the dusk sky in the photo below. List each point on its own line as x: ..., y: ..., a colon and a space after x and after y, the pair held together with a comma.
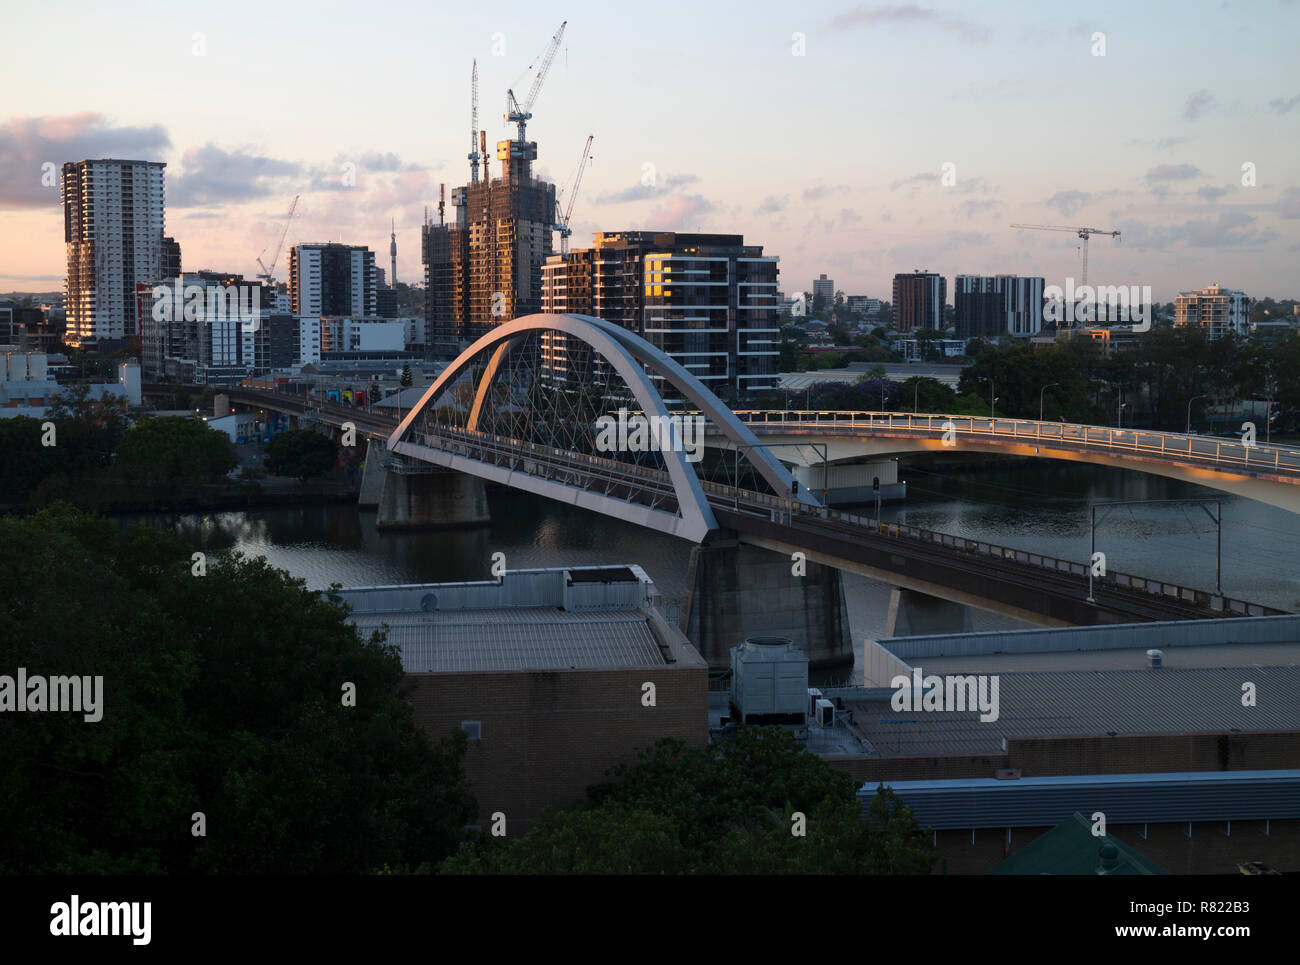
x: 830, y: 160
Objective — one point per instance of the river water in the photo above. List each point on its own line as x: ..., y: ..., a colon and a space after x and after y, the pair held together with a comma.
x: 1026, y: 504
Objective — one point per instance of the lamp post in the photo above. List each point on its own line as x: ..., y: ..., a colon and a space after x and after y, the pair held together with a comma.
x: 1040, y: 398
x: 1189, y: 410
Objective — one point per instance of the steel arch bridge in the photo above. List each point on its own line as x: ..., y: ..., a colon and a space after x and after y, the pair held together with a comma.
x: 531, y: 405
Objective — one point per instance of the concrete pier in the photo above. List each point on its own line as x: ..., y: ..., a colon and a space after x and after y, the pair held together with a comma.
x: 734, y: 591
x: 912, y: 613
x: 430, y: 499
x: 373, y: 475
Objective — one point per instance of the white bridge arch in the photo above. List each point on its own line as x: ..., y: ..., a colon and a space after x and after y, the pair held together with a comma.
x: 634, y: 360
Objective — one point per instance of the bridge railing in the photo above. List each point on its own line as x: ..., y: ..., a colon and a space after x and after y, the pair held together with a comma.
x: 779, y: 507
x: 655, y: 484
x: 1281, y: 460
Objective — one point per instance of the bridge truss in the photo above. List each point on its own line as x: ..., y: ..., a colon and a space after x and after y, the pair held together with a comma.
x: 573, y: 407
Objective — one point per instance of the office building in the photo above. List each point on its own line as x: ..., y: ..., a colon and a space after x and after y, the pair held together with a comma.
x: 993, y: 306
x: 824, y: 288
x: 201, y: 327
x: 1216, y: 310
x: 709, y: 301
x: 113, y: 220
x: 919, y: 299
x: 332, y: 279
x: 171, y: 258
x: 862, y: 305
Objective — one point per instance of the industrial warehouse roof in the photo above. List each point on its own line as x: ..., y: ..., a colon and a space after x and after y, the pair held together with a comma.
x: 1056, y: 704
x: 1035, y: 802
x: 518, y: 638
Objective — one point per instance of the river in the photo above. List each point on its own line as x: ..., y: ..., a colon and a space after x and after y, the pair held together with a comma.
x: 1027, y: 504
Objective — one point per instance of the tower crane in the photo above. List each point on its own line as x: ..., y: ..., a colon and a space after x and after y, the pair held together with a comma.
x: 1083, y: 233
x: 473, y: 124
x: 265, y: 273
x: 521, y: 114
x: 562, y: 223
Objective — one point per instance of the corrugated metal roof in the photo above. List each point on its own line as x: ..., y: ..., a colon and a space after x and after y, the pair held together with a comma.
x: 1123, y: 798
x: 518, y: 638
x: 1047, y: 704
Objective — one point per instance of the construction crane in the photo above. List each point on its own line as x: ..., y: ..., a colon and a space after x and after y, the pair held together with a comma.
x: 265, y: 273
x: 1083, y: 233
x: 562, y: 223
x: 521, y: 114
x: 473, y: 124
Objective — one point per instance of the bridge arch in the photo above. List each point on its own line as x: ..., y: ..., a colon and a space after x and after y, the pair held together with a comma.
x: 635, y: 361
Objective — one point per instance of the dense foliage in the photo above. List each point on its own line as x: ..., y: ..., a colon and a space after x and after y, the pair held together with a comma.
x: 725, y: 808
x: 222, y: 694
x: 301, y: 453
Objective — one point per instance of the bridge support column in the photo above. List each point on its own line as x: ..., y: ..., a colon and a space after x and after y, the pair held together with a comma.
x: 430, y: 499
x: 912, y: 613
x: 734, y: 591
x: 373, y: 475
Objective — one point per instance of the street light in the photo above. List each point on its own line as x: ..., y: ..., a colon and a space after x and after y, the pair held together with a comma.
x: 1189, y: 411
x: 1119, y: 415
x: 1040, y: 398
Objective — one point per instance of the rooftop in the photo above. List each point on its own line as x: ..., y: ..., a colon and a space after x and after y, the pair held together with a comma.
x: 545, y: 619
x: 525, y: 638
x: 1092, y: 703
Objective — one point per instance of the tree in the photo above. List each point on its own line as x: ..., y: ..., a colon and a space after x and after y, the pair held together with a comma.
x: 27, y: 462
x: 407, y: 379
x: 301, y: 454
x: 88, y: 429
x: 220, y: 694
x: 719, y: 809
x: 175, y: 451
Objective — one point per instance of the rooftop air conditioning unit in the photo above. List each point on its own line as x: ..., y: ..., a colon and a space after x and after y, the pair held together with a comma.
x: 814, y: 695
x: 825, y: 713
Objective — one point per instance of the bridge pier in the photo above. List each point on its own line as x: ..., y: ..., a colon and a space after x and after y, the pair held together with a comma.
x: 913, y: 613
x: 424, y: 497
x: 734, y: 591
x: 373, y: 475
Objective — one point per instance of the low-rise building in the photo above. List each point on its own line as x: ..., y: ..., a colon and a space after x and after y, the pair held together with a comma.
x: 554, y: 675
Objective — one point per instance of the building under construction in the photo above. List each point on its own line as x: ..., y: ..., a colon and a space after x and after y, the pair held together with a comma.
x: 484, y: 267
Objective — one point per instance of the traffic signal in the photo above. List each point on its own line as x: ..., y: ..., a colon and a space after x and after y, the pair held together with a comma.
x: 875, y: 483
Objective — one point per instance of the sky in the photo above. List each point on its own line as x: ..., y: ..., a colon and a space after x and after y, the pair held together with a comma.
x: 856, y: 140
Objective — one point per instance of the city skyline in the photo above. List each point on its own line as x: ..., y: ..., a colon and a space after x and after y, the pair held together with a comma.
x: 833, y: 160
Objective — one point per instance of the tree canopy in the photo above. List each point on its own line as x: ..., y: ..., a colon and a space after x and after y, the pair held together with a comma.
x: 221, y: 694
x: 726, y: 808
x: 301, y: 453
x: 174, y: 450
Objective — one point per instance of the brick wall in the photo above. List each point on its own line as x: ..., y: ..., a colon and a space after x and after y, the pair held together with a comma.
x: 547, y: 735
